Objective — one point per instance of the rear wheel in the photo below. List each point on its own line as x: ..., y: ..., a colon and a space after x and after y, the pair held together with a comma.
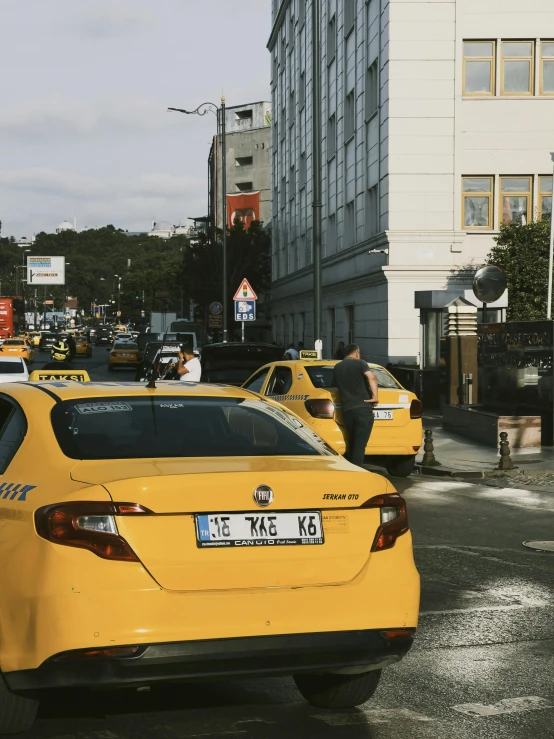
x: 17, y: 714
x: 401, y: 466
x: 338, y: 691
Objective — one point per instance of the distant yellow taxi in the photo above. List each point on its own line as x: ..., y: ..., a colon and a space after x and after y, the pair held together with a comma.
x: 18, y: 348
x: 83, y: 347
x: 306, y: 387
x: 123, y: 354
x: 191, y: 531
x: 34, y: 337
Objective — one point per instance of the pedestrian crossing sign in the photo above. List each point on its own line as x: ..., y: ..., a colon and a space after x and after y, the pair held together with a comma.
x: 245, y: 292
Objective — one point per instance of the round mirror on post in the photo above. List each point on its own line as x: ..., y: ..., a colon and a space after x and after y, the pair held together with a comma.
x: 489, y: 284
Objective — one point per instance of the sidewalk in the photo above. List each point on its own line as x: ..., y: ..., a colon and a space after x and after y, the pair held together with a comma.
x: 459, y: 457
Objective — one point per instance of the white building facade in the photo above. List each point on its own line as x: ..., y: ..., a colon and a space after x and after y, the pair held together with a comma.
x: 437, y: 124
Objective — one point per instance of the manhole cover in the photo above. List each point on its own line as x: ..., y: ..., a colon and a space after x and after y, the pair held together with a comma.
x: 540, y: 546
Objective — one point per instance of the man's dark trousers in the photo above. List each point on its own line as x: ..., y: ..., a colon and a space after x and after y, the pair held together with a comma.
x: 358, y: 423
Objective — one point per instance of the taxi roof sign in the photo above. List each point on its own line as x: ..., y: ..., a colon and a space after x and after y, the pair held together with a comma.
x: 59, y: 375
x: 309, y: 354
x: 245, y: 292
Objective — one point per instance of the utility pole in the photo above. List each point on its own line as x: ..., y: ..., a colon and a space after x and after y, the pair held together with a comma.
x: 316, y: 166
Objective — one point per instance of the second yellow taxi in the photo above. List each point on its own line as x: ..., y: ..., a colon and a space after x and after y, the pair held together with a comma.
x: 18, y: 348
x: 123, y: 354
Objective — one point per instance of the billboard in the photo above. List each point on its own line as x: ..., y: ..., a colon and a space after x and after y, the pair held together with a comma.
x: 45, y: 270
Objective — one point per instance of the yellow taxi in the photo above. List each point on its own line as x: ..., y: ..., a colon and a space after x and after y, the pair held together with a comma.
x: 18, y: 348
x: 306, y: 387
x: 34, y: 338
x: 83, y: 347
x: 123, y: 354
x: 130, y: 563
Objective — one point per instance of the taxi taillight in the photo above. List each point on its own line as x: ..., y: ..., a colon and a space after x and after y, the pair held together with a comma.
x: 89, y: 525
x: 320, y: 408
x: 416, y: 408
x: 394, y: 520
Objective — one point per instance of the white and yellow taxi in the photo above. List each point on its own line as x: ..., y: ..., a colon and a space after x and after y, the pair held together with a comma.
x: 186, y: 532
x: 306, y: 387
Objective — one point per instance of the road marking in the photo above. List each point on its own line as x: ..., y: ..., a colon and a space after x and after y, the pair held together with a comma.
x: 509, y: 705
x: 373, y: 715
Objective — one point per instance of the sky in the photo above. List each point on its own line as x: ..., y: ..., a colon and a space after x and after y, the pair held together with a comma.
x: 84, y: 92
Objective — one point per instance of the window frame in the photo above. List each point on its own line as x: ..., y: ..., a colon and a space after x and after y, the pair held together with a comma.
x: 528, y: 195
x: 489, y: 195
x: 545, y: 194
x: 541, y: 68
x: 530, y: 59
x: 331, y: 34
x: 492, y: 59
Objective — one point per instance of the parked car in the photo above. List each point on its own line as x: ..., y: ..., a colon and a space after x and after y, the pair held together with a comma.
x: 13, y: 369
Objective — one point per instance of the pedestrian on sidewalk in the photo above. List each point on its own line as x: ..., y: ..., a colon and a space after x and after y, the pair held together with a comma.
x: 357, y: 386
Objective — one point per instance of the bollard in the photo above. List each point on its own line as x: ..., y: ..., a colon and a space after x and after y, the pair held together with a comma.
x: 505, y: 462
x: 429, y: 449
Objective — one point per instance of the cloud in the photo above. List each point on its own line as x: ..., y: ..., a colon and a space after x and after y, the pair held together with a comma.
x: 43, y: 180
x: 113, y: 20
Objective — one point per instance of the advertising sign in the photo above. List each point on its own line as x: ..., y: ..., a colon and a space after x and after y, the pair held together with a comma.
x: 46, y: 270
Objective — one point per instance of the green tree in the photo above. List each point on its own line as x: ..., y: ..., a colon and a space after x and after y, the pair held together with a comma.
x: 522, y: 252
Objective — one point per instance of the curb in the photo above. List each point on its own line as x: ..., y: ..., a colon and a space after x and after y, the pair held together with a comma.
x: 421, y: 469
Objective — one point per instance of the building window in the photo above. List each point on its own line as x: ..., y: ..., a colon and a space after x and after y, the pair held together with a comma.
x: 517, y: 68
x: 349, y: 15
x: 545, y: 197
x: 515, y: 199
x: 477, y: 202
x: 349, y: 223
x: 331, y: 39
x: 283, y: 192
x: 302, y: 91
x: 292, y: 183
x: 478, y: 76
x: 331, y: 137
x: 547, y: 68
x: 243, y: 115
x: 301, y: 328
x: 244, y: 186
x: 349, y: 116
x: 332, y: 330
x: 372, y: 212
x: 302, y: 174
x: 331, y: 234
x: 371, y: 91
x: 301, y: 12
x: 350, y: 323
x: 244, y: 161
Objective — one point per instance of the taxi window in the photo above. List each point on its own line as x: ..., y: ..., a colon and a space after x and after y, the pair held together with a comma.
x: 256, y: 383
x: 280, y: 382
x: 14, y: 342
x: 323, y: 377
x: 131, y: 427
x: 13, y: 427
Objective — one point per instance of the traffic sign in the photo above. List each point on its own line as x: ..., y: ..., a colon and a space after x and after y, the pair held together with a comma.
x: 245, y: 292
x: 215, y: 321
x: 245, y: 310
x: 215, y: 308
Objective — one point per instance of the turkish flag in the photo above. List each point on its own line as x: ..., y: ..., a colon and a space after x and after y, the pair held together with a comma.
x: 244, y: 206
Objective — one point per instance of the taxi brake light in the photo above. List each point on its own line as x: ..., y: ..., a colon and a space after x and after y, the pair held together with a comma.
x: 320, y: 408
x: 394, y: 520
x: 89, y: 526
x: 416, y: 408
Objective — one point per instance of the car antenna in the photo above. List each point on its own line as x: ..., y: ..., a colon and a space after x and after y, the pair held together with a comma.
x: 152, y: 381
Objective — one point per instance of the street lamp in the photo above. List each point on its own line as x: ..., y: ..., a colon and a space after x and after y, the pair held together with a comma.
x: 220, y: 115
x: 118, y: 293
x: 316, y: 171
x: 551, y: 252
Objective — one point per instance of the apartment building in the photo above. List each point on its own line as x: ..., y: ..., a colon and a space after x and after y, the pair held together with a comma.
x: 248, y: 140
x: 437, y: 120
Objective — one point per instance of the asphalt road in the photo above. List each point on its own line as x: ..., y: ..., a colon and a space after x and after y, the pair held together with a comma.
x: 482, y: 666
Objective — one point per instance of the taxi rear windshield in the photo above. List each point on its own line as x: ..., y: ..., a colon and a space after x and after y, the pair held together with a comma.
x: 323, y: 377
x: 141, y: 428
x: 11, y: 368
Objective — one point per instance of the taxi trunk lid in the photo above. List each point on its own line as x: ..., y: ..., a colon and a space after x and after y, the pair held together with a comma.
x: 176, y: 493
x: 393, y: 410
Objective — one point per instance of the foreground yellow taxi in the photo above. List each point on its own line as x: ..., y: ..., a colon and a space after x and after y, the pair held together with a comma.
x: 186, y: 532
x: 306, y: 387
x: 123, y: 354
x: 83, y: 347
x: 18, y: 348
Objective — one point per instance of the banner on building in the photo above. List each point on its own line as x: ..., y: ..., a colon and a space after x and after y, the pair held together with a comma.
x: 46, y: 270
x: 245, y: 207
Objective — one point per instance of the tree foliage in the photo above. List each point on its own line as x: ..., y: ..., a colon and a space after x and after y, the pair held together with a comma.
x: 522, y: 252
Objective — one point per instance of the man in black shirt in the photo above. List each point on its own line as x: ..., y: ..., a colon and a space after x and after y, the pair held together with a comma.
x: 358, y: 388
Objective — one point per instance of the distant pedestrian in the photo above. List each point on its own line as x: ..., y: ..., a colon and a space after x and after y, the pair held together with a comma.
x: 339, y: 351
x: 357, y: 386
x: 189, y: 368
x: 291, y: 352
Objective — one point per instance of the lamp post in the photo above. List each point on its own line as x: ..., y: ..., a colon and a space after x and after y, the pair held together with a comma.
x: 219, y: 112
x: 316, y: 168
x: 551, y: 251
x: 118, y: 294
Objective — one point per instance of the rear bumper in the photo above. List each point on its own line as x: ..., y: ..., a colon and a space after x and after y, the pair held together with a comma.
x: 331, y: 652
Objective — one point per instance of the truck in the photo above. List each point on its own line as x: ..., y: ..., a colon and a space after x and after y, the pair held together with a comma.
x: 160, y: 322
x: 12, y: 316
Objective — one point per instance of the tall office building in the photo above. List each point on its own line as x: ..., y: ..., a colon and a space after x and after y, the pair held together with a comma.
x: 437, y: 126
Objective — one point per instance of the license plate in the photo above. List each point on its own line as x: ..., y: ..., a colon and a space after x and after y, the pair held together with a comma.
x: 383, y: 415
x: 258, y: 529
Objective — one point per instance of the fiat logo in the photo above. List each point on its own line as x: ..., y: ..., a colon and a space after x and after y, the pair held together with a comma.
x: 263, y: 496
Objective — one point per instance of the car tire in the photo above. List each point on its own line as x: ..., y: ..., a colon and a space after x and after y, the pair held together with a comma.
x: 17, y: 714
x: 338, y: 691
x: 401, y: 466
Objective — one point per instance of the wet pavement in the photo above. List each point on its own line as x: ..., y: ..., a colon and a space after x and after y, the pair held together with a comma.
x: 482, y: 666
